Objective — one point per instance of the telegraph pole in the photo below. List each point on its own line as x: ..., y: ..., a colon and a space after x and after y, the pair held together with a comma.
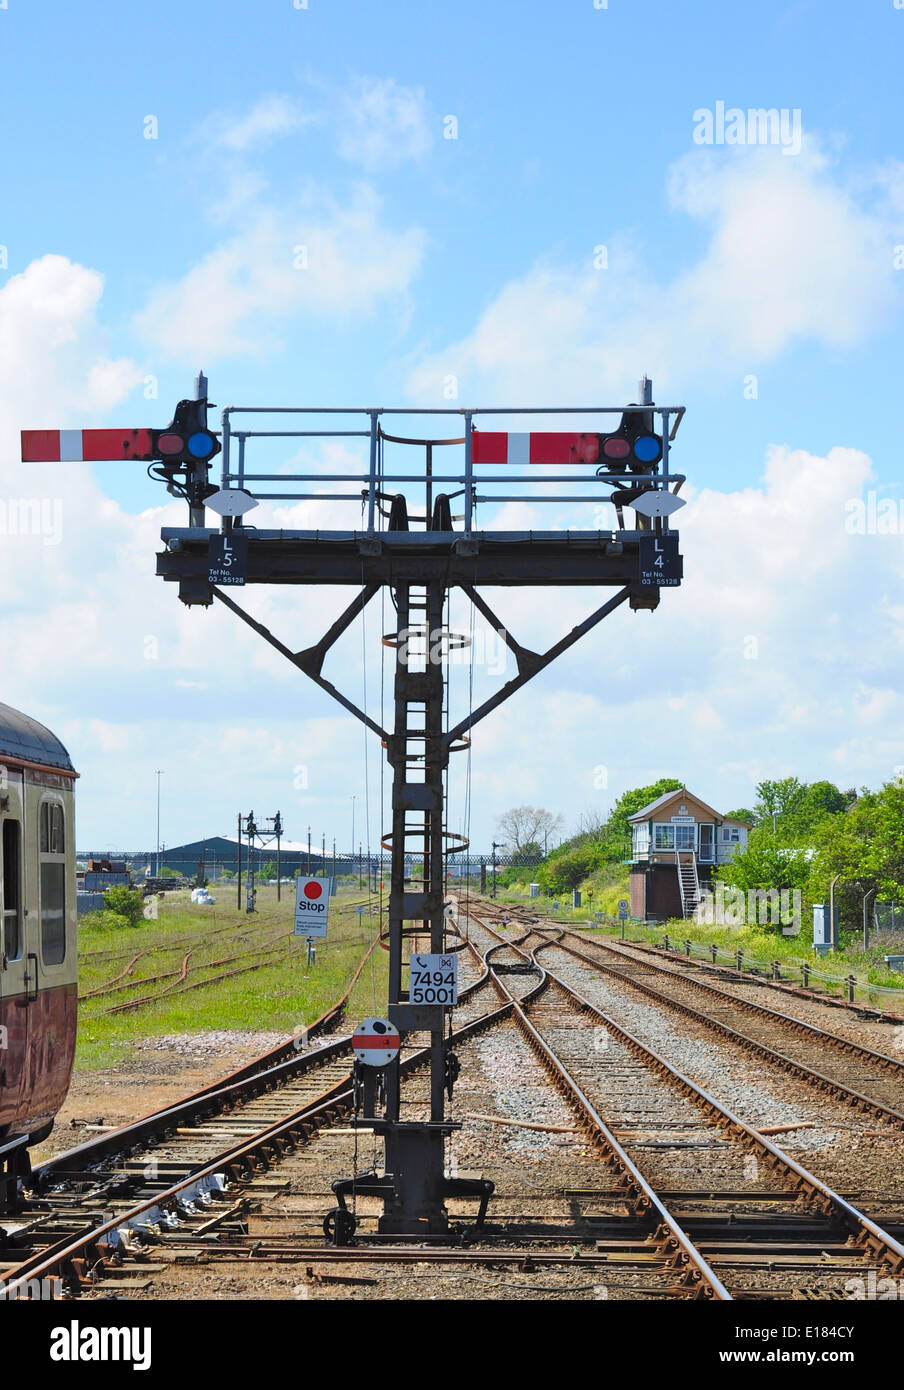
x: 238, y: 883
x: 277, y: 826
x: 157, y: 860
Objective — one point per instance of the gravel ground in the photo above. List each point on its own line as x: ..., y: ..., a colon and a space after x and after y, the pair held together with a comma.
x: 851, y: 1152
x: 500, y: 1076
x: 213, y: 1042
x: 883, y: 1037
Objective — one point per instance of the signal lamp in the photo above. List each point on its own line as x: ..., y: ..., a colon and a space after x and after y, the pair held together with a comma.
x: 616, y: 448
x: 648, y: 449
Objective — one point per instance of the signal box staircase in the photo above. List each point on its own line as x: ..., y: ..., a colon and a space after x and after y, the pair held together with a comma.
x: 688, y: 881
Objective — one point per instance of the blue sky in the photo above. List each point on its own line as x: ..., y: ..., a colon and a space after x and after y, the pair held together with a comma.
x: 134, y: 259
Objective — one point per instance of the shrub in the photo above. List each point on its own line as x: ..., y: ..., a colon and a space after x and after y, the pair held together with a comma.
x: 126, y: 903
x: 98, y: 919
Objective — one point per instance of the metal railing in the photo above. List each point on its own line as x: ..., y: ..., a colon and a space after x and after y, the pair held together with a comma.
x: 464, y: 481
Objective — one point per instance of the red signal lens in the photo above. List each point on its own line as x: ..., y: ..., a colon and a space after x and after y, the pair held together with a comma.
x: 616, y: 448
x: 170, y: 444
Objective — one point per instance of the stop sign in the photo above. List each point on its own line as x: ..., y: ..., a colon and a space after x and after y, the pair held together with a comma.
x: 312, y: 906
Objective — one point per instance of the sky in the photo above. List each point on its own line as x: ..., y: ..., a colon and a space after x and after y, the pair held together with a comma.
x: 540, y: 203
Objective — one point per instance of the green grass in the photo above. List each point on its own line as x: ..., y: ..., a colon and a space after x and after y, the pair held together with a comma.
x: 761, y: 947
x: 282, y: 996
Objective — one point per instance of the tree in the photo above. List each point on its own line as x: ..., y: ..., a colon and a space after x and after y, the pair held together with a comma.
x: 766, y: 863
x: 778, y: 798
x: 742, y: 814
x: 824, y: 799
x: 566, y: 871
x: 797, y: 808
x: 600, y: 844
x: 615, y: 841
x: 523, y: 824
x: 865, y: 845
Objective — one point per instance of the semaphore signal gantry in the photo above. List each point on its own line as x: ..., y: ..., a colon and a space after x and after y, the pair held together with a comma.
x: 404, y: 535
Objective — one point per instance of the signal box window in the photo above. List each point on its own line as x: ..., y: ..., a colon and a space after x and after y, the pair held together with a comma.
x: 685, y: 837
x: 12, y: 890
x: 663, y: 837
x: 53, y: 883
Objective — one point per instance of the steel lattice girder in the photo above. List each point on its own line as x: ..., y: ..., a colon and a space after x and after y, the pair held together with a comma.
x: 548, y: 559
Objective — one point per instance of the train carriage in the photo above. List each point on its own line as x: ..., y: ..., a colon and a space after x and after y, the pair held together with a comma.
x: 38, y: 964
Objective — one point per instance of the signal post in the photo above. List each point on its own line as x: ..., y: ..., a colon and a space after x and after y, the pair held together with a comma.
x: 406, y: 539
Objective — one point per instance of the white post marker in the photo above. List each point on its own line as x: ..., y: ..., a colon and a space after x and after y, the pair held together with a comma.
x: 376, y: 1042
x: 433, y: 979
x: 312, y: 906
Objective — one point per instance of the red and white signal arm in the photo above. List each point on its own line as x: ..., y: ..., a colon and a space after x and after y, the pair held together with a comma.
x: 312, y: 906
x: 376, y: 1042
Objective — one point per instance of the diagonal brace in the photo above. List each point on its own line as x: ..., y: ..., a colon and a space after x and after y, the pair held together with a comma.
x: 307, y: 660
x: 539, y: 662
x: 312, y: 658
x: 529, y: 662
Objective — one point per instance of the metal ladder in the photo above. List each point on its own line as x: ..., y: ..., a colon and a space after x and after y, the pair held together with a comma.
x: 688, y: 882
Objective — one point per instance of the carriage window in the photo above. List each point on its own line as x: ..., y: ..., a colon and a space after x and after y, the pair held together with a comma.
x: 12, y: 900
x: 53, y: 884
x: 53, y: 913
x: 52, y: 834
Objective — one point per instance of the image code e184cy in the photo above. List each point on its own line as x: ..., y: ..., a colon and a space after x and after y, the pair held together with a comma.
x: 312, y: 906
x: 433, y: 980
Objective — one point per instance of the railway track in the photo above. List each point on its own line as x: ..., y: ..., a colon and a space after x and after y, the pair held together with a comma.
x: 861, y: 1077
x: 694, y: 1203
x: 745, y: 1230
x: 179, y: 1159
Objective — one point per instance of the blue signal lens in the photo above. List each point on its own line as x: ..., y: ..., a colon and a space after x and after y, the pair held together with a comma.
x: 200, y: 445
x: 647, y: 448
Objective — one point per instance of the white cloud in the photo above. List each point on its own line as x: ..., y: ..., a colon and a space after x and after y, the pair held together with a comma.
x: 316, y: 257
x: 272, y: 117
x: 52, y: 349
x: 675, y: 691
x: 791, y: 256
x: 383, y: 124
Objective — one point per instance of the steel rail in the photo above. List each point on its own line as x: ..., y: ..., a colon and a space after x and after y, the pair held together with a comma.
x: 802, y: 1070
x: 670, y: 1240
x: 750, y: 976
x: 259, y: 1150
x: 871, y: 1239
x: 751, y: 1006
x: 266, y: 1072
